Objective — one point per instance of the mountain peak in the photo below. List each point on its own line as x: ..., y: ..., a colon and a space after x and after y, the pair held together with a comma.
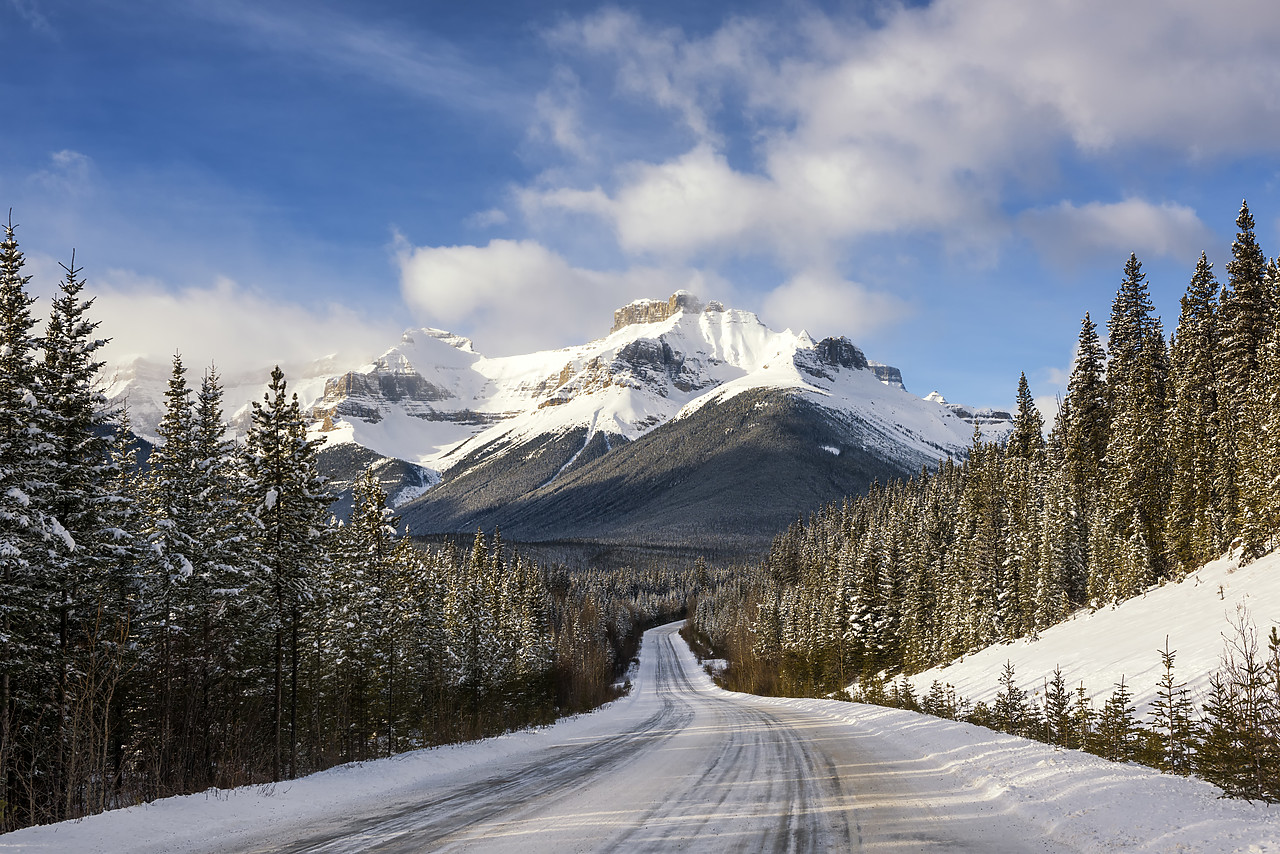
x: 658, y: 310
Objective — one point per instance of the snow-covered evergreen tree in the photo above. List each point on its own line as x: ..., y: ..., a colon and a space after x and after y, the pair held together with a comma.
x: 78, y: 470
x: 1196, y: 520
x: 27, y: 641
x: 286, y: 499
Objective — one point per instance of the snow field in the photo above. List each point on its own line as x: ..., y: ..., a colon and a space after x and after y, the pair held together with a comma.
x: 1098, y: 647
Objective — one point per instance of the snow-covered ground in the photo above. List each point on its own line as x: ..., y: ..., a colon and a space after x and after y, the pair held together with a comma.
x: 694, y: 767
x: 1099, y: 647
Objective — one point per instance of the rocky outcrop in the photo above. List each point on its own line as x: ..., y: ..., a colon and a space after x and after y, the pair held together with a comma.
x: 364, y: 395
x: 645, y: 363
x: 656, y: 310
x: 840, y: 353
x: 994, y: 423
x: 887, y: 374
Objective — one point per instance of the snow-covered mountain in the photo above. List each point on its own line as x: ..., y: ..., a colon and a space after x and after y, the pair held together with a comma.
x: 499, y: 432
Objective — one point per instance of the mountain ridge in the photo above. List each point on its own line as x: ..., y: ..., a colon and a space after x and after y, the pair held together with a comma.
x: 483, y: 441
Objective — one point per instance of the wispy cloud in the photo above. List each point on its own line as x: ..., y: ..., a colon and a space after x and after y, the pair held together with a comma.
x: 1068, y: 233
x: 412, y: 61
x: 29, y: 11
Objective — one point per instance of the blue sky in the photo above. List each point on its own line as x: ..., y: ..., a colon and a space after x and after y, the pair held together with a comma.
x: 952, y: 184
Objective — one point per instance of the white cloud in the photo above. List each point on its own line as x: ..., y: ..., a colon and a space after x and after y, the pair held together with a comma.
x: 69, y: 172
x: 925, y: 123
x: 488, y: 218
x: 558, y: 113
x: 513, y: 296
x: 1068, y: 233
x: 824, y: 304
x: 238, y: 329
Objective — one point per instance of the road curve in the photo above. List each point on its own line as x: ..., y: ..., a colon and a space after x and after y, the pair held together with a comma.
x: 679, y: 766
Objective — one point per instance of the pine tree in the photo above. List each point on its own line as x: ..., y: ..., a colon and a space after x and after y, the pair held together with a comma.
x: 1196, y: 521
x: 1174, y: 722
x: 79, y: 469
x: 25, y: 597
x: 1117, y: 735
x: 1247, y: 314
x: 1027, y: 439
x: 288, y: 504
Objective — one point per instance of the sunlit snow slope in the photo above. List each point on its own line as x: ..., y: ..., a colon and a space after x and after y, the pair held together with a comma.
x: 1099, y: 647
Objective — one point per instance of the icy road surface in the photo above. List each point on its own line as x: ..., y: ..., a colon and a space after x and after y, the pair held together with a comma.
x: 690, y: 768
x: 680, y: 765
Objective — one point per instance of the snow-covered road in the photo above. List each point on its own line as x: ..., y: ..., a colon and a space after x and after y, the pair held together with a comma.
x: 680, y: 765
x: 686, y: 767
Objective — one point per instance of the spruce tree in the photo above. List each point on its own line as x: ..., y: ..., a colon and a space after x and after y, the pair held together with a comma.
x: 1174, y: 721
x: 1247, y: 314
x: 1196, y: 521
x: 1027, y: 439
x: 1258, y: 444
x: 1137, y: 476
x: 79, y: 470
x: 1117, y: 734
x: 1086, y: 432
x: 1009, y: 712
x: 26, y: 642
x: 288, y: 505
x: 1057, y: 710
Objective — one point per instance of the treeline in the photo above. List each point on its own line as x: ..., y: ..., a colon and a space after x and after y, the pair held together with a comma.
x: 1162, y: 456
x: 203, y: 621
x: 1232, y: 742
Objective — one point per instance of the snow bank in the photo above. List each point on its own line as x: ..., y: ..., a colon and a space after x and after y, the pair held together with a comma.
x: 232, y: 819
x: 1098, y: 647
x: 1077, y: 798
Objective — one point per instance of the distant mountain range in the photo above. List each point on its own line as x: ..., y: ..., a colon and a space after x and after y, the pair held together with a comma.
x: 688, y: 422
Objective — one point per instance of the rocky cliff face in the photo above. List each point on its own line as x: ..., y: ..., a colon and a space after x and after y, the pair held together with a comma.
x: 656, y: 310
x: 995, y: 424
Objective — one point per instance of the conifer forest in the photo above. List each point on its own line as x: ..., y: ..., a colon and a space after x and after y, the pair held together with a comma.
x: 202, y: 621
x: 1164, y: 455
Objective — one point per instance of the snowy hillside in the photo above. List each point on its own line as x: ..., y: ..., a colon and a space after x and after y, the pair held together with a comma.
x: 1099, y: 647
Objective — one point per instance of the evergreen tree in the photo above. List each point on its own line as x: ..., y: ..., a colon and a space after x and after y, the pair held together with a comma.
x: 1009, y: 712
x: 1137, y: 476
x: 288, y: 505
x: 1258, y: 466
x: 1247, y: 315
x: 1027, y: 439
x: 1118, y: 726
x: 1196, y: 521
x: 1057, y: 710
x: 1174, y: 718
x: 1087, y: 431
x: 25, y: 598
x: 79, y: 469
